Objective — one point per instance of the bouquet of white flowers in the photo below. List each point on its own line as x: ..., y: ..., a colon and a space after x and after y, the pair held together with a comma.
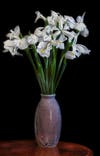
x: 49, y: 47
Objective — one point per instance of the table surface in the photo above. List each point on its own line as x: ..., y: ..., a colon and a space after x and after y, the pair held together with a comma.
x: 30, y: 148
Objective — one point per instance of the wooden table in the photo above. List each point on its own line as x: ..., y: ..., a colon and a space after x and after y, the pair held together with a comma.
x: 30, y: 148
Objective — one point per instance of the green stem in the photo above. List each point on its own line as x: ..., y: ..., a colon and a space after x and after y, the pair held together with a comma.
x: 53, y: 69
x: 46, y: 75
x: 34, y: 67
x: 59, y: 66
x: 40, y: 69
x: 62, y: 64
x: 50, y: 73
x: 61, y: 73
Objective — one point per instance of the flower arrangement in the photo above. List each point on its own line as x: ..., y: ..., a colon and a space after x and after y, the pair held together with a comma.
x: 49, y: 47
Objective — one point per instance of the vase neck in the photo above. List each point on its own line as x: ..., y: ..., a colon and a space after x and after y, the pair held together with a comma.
x: 48, y: 95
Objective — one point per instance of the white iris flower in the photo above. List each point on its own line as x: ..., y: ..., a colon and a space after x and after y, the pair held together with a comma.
x: 32, y: 39
x: 10, y: 46
x: 70, y: 21
x: 59, y: 31
x: 13, y: 45
x: 44, y: 48
x: 80, y: 26
x: 14, y: 34
x: 77, y: 50
x: 53, y: 19
x: 39, y: 16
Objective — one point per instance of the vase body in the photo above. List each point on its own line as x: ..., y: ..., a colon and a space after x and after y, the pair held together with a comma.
x: 47, y: 121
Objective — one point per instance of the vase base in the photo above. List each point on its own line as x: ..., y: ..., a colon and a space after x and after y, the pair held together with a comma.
x: 46, y: 145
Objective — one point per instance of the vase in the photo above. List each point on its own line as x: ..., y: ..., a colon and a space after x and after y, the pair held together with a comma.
x: 47, y: 121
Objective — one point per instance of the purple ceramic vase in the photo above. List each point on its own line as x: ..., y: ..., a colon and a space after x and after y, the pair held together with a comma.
x: 47, y: 121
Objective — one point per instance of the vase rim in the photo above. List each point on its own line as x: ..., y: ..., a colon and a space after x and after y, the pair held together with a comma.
x: 48, y: 95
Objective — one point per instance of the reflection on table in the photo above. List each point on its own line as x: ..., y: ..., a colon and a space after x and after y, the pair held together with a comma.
x: 30, y: 148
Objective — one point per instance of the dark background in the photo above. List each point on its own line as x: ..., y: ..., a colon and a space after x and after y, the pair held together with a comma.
x: 78, y: 92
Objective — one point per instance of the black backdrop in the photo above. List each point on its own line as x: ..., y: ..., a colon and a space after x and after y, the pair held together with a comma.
x: 78, y: 91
